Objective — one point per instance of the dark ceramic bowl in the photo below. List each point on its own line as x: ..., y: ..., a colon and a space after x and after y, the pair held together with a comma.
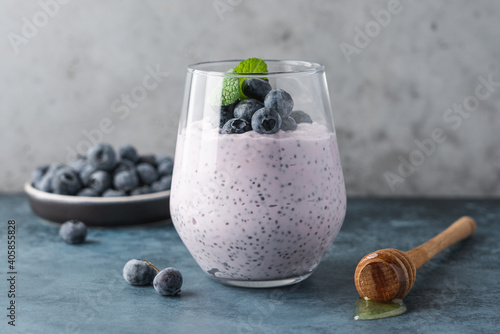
x: 100, y: 211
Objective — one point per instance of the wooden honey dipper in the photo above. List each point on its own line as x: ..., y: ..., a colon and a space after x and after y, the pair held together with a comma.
x: 389, y: 274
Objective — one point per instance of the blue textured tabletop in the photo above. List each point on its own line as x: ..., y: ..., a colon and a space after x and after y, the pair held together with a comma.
x: 64, y: 288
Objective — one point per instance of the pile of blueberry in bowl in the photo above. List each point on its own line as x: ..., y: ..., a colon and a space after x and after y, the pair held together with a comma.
x: 104, y: 172
x: 104, y: 188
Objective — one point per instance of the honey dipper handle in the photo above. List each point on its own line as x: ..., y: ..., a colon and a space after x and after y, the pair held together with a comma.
x: 457, y: 231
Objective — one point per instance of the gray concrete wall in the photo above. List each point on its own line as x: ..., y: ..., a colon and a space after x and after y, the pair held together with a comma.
x: 391, y: 90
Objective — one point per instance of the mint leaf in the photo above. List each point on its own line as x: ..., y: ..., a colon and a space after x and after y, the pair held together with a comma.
x: 230, y: 90
x: 251, y: 65
x: 226, y: 92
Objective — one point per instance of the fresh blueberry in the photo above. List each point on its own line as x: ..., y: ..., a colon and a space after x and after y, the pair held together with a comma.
x: 100, y: 181
x: 143, y: 190
x: 166, y: 166
x: 236, y: 125
x: 300, y: 116
x: 149, y: 159
x: 168, y: 282
x: 114, y: 193
x: 122, y: 165
x: 147, y: 173
x: 226, y: 113
x: 125, y: 180
x: 88, y: 192
x: 45, y: 182
x: 38, y: 173
x: 66, y: 182
x: 102, y: 157
x: 128, y: 152
x: 73, y: 232
x: 266, y: 121
x: 78, y: 163
x: 288, y: 124
x: 246, y: 108
x: 164, y: 158
x: 279, y: 100
x: 162, y: 184
x: 85, y: 173
x: 255, y: 88
x: 138, y: 272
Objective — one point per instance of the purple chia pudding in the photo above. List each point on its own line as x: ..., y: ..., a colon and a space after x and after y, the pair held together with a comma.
x: 258, y: 207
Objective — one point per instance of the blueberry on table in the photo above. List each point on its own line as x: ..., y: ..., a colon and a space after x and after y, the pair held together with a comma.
x: 162, y: 184
x: 128, y: 152
x: 88, y: 192
x: 246, y: 108
x: 138, y: 272
x: 100, y: 181
x: 125, y: 180
x: 168, y: 282
x: 288, y: 124
x: 85, y: 173
x: 300, y: 116
x: 102, y: 156
x: 256, y: 88
x: 114, y: 193
x: 66, y: 182
x: 147, y: 173
x: 236, y: 125
x: 266, y: 121
x: 226, y: 113
x: 279, y: 100
x: 73, y: 232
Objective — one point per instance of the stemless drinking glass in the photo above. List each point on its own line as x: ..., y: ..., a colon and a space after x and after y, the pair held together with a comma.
x: 254, y: 209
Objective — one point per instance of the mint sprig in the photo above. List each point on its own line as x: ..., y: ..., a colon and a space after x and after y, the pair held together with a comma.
x: 251, y: 65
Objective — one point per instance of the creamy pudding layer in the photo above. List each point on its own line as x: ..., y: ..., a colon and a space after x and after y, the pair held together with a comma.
x: 258, y: 207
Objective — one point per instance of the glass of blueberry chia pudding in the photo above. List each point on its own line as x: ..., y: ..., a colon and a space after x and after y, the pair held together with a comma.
x: 258, y: 194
